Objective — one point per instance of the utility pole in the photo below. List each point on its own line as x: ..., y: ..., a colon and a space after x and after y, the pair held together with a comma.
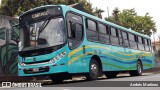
x: 0, y: 2
x: 108, y: 11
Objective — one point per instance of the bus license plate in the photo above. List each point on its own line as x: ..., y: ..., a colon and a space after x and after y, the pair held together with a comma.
x: 35, y: 69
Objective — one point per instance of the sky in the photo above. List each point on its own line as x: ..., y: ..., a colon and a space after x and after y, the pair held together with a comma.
x: 141, y: 7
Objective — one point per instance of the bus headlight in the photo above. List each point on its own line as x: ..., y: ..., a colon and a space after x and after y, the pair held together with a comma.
x: 58, y: 57
x: 22, y: 64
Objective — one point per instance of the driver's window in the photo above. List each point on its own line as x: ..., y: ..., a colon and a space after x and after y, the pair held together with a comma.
x: 75, y: 30
x: 78, y: 32
x: 69, y: 24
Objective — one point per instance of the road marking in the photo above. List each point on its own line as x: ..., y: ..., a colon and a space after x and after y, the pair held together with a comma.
x: 65, y: 89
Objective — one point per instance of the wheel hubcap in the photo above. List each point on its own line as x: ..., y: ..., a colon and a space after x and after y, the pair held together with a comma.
x: 139, y: 68
x: 94, y: 69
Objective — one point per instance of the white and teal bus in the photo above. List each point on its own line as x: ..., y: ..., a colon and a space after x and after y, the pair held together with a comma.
x: 61, y: 41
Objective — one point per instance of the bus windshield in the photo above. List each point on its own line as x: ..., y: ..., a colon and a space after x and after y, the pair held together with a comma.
x: 41, y: 34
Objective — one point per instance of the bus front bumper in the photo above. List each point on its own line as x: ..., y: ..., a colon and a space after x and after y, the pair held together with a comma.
x: 41, y: 70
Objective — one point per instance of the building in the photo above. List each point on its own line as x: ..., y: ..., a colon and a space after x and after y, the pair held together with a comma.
x: 10, y: 35
x: 6, y: 21
x: 156, y: 45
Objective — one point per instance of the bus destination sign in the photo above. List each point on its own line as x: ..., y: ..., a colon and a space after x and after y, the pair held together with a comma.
x: 40, y: 14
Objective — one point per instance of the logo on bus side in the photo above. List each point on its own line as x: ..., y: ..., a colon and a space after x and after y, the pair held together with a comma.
x: 34, y: 59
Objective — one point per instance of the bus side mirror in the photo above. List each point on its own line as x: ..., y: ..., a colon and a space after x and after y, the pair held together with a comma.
x: 73, y: 30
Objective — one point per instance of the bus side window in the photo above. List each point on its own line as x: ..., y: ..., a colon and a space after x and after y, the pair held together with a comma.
x: 103, y: 33
x: 149, y: 44
x: 125, y: 39
x: 120, y: 37
x: 140, y: 43
x: 114, y: 36
x: 132, y: 41
x: 92, y: 34
x: 146, y: 44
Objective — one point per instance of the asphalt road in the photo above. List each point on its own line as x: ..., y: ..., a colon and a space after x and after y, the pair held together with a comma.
x: 148, y: 81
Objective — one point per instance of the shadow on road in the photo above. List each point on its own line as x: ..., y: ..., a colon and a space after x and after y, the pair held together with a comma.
x: 74, y: 82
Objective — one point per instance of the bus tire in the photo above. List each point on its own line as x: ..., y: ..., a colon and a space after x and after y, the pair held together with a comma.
x: 57, y: 78
x: 94, y: 70
x: 137, y: 72
x: 110, y: 75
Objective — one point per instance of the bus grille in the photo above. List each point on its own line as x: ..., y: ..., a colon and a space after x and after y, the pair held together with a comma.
x: 37, y: 62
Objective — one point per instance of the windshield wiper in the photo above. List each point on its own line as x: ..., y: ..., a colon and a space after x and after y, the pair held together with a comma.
x: 42, y: 27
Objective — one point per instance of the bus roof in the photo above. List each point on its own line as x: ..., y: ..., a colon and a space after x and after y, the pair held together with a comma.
x: 107, y: 22
x: 90, y: 16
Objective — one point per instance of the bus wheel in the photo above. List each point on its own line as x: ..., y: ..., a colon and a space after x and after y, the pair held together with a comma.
x: 111, y: 74
x: 93, y: 70
x: 137, y: 72
x: 57, y: 78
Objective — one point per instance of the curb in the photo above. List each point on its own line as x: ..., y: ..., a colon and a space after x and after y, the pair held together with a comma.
x: 153, y: 70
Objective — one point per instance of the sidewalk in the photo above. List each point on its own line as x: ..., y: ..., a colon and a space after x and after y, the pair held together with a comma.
x: 153, y: 70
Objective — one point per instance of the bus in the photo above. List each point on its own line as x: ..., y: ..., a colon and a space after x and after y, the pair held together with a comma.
x: 61, y: 41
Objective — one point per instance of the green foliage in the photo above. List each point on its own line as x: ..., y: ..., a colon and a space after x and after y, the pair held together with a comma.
x: 129, y: 19
x: 98, y: 12
x: 17, y: 7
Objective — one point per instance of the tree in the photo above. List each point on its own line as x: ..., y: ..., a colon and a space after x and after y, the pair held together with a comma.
x: 16, y: 7
x: 98, y: 12
x: 129, y: 19
x: 115, y: 14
